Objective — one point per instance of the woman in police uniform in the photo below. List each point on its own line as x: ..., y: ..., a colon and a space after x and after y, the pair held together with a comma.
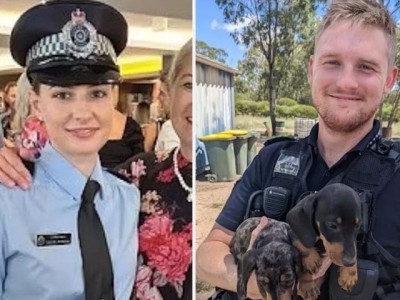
x: 73, y: 235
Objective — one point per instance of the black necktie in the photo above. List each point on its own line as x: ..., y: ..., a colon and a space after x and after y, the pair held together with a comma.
x: 97, y: 268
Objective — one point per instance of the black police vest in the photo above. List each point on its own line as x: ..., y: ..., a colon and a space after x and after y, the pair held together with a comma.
x: 368, y: 175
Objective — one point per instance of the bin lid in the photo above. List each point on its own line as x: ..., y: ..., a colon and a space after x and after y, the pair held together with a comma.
x: 217, y: 137
x: 236, y: 132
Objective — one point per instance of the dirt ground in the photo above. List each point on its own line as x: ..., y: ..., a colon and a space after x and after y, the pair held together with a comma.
x: 210, y: 199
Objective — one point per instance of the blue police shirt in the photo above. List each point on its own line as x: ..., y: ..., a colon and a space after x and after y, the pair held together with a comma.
x: 258, y: 176
x: 49, y: 209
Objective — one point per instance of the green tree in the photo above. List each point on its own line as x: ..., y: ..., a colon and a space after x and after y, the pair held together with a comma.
x: 294, y: 83
x: 393, y: 97
x: 275, y: 28
x: 253, y: 78
x: 211, y: 52
x: 252, y: 75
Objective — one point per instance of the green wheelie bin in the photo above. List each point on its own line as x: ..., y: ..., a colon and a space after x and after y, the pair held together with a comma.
x: 252, y: 146
x: 240, y: 146
x: 221, y: 156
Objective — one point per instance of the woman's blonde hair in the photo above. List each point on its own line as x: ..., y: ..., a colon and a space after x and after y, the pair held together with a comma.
x: 178, y: 62
x: 22, y: 104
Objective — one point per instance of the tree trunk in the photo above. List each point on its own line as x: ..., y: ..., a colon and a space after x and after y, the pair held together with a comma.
x: 387, y: 132
x: 272, y: 104
x: 272, y: 98
x: 272, y: 116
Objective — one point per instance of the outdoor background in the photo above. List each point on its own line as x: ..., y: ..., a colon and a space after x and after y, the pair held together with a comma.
x: 268, y: 42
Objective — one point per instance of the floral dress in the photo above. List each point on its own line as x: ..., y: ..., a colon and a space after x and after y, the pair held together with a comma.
x: 165, y: 226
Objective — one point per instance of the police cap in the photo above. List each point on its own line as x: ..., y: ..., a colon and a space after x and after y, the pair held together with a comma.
x: 70, y: 42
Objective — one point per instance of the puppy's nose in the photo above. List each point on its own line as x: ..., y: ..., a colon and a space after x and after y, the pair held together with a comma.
x: 348, y: 261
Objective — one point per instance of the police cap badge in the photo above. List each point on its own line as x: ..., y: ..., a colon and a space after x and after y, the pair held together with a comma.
x: 69, y: 42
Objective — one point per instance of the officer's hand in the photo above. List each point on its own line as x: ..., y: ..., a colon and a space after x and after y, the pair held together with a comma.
x: 256, y: 231
x: 326, y: 263
x: 252, y: 288
x: 12, y: 170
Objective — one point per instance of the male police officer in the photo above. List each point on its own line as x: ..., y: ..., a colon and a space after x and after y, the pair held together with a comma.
x: 352, y: 68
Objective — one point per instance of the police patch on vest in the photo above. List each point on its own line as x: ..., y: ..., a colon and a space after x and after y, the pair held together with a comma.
x: 287, y: 164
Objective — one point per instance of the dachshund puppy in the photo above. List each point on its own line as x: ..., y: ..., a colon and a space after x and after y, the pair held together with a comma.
x: 272, y: 256
x: 327, y: 223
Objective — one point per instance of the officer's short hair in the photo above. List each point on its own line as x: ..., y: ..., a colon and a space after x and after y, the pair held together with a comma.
x: 364, y: 12
x: 70, y: 42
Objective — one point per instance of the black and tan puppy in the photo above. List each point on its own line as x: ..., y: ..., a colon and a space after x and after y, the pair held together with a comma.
x: 272, y: 257
x: 327, y: 223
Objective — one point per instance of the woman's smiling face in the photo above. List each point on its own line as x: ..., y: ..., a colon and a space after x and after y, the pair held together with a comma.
x: 181, y: 102
x: 78, y: 119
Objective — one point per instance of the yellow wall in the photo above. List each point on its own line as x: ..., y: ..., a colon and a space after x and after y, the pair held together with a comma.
x: 137, y: 67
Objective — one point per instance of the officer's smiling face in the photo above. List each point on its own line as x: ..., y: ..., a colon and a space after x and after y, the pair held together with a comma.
x: 349, y: 74
x: 78, y: 119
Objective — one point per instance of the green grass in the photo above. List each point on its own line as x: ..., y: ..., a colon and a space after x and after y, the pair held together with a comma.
x: 256, y: 123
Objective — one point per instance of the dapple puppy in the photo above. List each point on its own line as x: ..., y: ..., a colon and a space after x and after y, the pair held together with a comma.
x: 272, y: 256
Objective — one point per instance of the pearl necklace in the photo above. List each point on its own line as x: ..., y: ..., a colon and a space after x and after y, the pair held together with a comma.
x: 180, y: 177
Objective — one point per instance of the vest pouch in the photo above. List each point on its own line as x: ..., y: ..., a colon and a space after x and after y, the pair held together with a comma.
x: 368, y: 274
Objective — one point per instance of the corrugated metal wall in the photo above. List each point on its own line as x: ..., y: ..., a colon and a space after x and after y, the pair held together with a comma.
x: 214, y: 107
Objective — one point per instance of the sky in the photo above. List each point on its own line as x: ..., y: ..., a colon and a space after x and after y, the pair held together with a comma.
x: 210, y: 28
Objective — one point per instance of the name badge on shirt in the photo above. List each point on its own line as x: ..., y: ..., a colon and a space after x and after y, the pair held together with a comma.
x: 56, y: 239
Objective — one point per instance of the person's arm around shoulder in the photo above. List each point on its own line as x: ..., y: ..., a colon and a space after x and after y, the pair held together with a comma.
x: 215, y: 264
x: 12, y: 170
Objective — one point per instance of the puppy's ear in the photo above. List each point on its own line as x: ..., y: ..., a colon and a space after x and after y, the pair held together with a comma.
x: 301, y: 220
x: 245, y: 266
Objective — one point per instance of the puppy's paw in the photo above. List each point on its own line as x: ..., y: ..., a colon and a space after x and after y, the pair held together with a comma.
x: 312, y: 262
x: 308, y: 290
x: 348, y: 278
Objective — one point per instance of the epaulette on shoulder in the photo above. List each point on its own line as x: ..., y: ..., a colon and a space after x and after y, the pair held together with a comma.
x: 279, y: 139
x: 396, y: 145
x: 384, y: 146
x: 118, y: 175
x: 388, y: 148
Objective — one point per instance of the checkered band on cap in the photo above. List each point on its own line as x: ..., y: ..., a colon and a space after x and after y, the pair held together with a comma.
x: 58, y: 45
